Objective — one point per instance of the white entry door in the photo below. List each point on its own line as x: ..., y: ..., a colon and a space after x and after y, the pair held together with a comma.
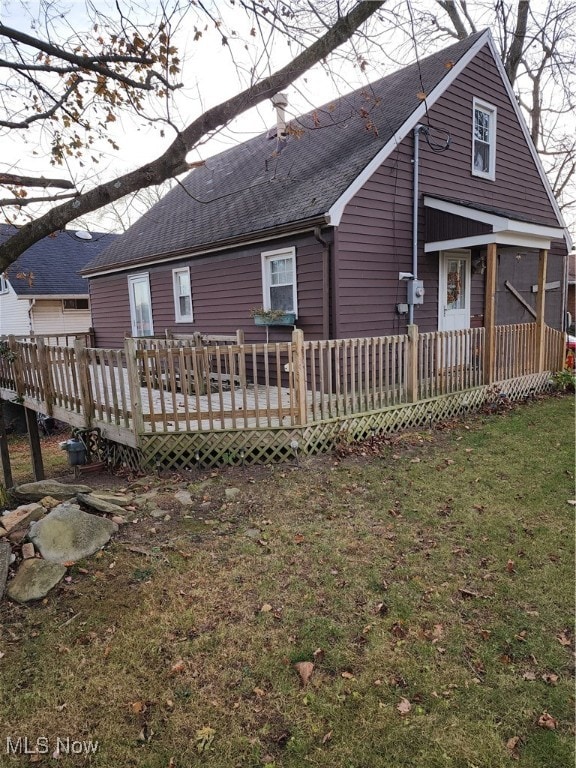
x: 454, y: 290
x: 140, y: 305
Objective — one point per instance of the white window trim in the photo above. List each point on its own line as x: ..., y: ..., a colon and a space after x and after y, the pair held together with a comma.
x: 132, y: 279
x: 4, y: 284
x: 491, y: 109
x: 179, y: 318
x: 268, y: 256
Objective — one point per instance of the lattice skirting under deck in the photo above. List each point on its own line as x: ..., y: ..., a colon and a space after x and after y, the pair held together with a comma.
x: 181, y: 450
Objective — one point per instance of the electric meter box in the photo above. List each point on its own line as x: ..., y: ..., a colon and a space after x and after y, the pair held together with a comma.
x: 415, y: 292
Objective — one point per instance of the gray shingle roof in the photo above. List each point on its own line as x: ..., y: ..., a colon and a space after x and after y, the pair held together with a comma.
x: 251, y: 188
x: 55, y: 263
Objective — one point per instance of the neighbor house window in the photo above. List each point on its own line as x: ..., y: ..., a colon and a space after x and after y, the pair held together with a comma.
x: 182, y: 295
x: 74, y: 304
x: 484, y: 140
x: 279, y: 280
x: 3, y: 284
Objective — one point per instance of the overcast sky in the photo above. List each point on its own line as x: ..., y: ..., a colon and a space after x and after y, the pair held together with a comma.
x: 211, y: 73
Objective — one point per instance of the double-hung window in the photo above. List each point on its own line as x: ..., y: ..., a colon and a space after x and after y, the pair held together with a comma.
x: 279, y: 280
x: 3, y: 284
x: 484, y: 140
x: 182, y: 295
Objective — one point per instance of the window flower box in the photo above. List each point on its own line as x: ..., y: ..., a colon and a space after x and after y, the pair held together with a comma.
x: 273, y: 317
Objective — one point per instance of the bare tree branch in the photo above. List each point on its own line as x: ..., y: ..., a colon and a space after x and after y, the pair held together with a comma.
x: 30, y: 181
x: 19, y: 202
x: 96, y: 64
x: 173, y: 161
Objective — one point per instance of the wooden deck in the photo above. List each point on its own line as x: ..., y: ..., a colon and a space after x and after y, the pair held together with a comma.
x: 183, y: 390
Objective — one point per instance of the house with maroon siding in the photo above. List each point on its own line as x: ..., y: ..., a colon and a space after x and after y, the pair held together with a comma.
x: 384, y: 208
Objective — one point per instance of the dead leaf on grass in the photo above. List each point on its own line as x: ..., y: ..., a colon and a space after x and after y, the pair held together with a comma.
x: 347, y: 676
x: 305, y: 670
x: 547, y: 721
x: 512, y: 747
x: 529, y: 676
x: 145, y: 734
x: 399, y: 630
x: 564, y: 639
x: 178, y: 667
x: 550, y: 678
x: 138, y: 707
x: 204, y: 739
x: 266, y: 608
x: 510, y: 566
x: 327, y: 737
x: 318, y: 655
x: 403, y: 706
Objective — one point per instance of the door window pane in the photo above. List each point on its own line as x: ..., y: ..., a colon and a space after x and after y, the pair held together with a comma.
x: 456, y: 284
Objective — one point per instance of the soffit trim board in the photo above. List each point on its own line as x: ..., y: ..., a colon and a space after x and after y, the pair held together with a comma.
x: 500, y: 238
x: 498, y: 223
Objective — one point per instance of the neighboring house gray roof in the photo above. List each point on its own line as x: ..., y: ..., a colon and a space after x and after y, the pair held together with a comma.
x: 52, y: 266
x: 251, y: 188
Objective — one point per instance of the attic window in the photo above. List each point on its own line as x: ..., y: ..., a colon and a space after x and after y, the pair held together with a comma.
x: 3, y: 284
x: 484, y: 140
x: 68, y: 304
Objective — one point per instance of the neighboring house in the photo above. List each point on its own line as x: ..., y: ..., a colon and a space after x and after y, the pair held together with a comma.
x: 43, y: 293
x: 322, y: 221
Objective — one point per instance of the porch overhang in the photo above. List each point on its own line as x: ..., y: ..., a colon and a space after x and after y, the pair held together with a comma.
x: 505, y: 229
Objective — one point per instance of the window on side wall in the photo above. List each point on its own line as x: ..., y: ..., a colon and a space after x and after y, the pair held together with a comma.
x: 484, y: 140
x: 73, y: 304
x: 3, y: 284
x: 182, y: 295
x: 279, y: 280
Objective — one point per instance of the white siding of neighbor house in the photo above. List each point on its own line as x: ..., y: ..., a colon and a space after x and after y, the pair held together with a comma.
x: 14, y: 316
x: 48, y: 318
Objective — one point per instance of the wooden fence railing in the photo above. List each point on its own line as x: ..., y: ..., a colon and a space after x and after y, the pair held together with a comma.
x: 55, y: 339
x: 450, y: 361
x: 346, y: 376
x: 180, y: 387
x: 517, y: 351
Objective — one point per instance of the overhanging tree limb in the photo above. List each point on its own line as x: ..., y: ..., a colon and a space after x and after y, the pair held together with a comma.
x: 97, y: 64
x: 32, y: 181
x: 173, y: 161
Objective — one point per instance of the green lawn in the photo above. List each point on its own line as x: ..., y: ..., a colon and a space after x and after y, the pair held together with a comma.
x: 428, y: 576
